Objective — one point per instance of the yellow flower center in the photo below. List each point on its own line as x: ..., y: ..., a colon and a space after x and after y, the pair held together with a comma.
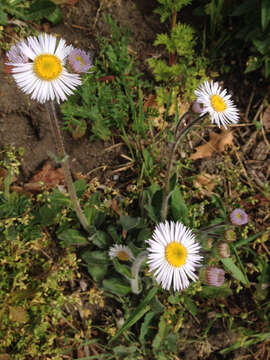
x: 218, y: 103
x: 47, y: 67
x: 80, y: 60
x: 176, y: 254
x: 239, y: 216
x: 122, y: 255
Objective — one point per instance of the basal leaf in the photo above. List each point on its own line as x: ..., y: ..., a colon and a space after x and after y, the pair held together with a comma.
x: 72, y: 237
x: 178, y: 206
x: 137, y: 314
x: 116, y: 286
x: 40, y: 9
x: 236, y: 272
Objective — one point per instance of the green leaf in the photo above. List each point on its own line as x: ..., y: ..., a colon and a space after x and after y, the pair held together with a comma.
x: 116, y: 286
x: 265, y: 13
x: 113, y: 233
x: 266, y: 67
x: 172, y: 182
x: 40, y: 9
x: 163, y: 329
x: 156, y: 305
x: 122, y: 351
x: 100, y: 239
x: 72, y: 237
x: 80, y: 187
x: 144, y: 234
x: 97, y: 262
x: 55, y: 17
x: 129, y: 222
x: 60, y: 200
x: 145, y: 327
x: 97, y: 271
x: 262, y: 45
x: 174, y: 299
x: 137, y: 314
x: 3, y: 16
x: 178, y: 206
x: 157, y: 204
x: 247, y: 240
x: 122, y: 269
x: 236, y: 272
x: 48, y: 215
x: 216, y: 292
x: 151, y: 212
x: 190, y: 305
x: 253, y: 64
x: 92, y: 214
x: 95, y: 257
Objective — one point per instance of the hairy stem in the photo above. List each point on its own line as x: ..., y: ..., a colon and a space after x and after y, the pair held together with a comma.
x: 65, y: 163
x: 134, y: 282
x: 177, y: 139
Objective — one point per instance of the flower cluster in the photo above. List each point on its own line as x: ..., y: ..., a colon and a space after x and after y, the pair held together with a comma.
x: 47, y: 69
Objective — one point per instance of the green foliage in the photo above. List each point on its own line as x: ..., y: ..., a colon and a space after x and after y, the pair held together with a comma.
x: 255, y: 25
x: 107, y: 99
x: 169, y: 6
x: 241, y: 28
x: 184, y: 70
x: 181, y: 40
x: 30, y: 10
x: 33, y: 273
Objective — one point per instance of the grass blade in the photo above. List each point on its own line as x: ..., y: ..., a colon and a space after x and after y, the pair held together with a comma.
x: 137, y: 314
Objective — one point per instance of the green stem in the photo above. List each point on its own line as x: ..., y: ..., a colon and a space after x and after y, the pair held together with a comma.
x: 134, y: 282
x: 65, y: 163
x: 170, y: 162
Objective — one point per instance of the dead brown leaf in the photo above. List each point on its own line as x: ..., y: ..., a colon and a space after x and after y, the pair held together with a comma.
x: 47, y: 176
x: 4, y: 357
x: 216, y: 144
x: 206, y: 183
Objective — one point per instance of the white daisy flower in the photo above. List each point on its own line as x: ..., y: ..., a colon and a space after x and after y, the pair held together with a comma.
x: 44, y: 75
x: 173, y: 255
x: 217, y: 103
x: 121, y: 252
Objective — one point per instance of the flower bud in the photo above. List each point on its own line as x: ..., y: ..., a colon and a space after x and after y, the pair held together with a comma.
x: 224, y: 249
x: 230, y: 235
x: 197, y: 107
x: 214, y: 276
